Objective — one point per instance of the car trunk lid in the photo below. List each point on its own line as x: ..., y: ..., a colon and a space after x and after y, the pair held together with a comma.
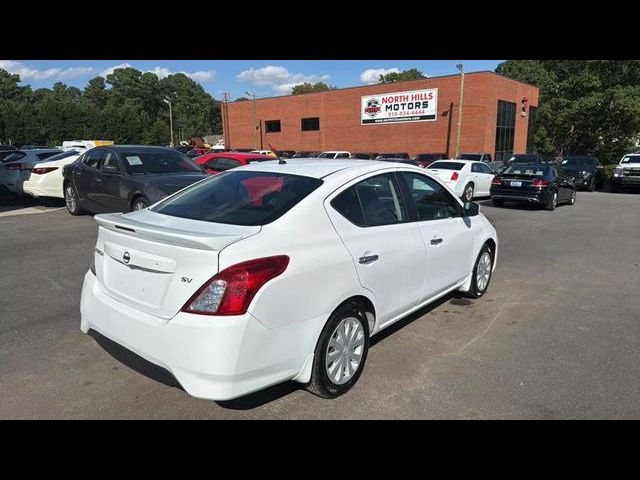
x: 156, y: 262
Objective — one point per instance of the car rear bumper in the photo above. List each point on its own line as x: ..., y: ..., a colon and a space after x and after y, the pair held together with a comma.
x: 36, y: 189
x: 216, y: 358
x: 538, y: 197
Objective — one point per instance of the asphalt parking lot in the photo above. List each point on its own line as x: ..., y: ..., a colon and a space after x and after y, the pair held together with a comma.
x: 557, y: 336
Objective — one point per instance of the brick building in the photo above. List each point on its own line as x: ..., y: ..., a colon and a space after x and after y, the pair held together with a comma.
x: 420, y: 116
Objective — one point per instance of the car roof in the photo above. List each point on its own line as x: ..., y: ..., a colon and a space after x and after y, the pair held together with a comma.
x: 235, y: 155
x: 319, y: 168
x: 138, y: 148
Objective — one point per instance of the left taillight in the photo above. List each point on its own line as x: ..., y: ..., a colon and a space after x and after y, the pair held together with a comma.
x: 540, y: 183
x: 454, y: 177
x: 230, y: 292
x: 43, y: 170
x: 14, y: 166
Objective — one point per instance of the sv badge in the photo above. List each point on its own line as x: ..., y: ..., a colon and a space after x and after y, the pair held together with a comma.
x: 186, y: 279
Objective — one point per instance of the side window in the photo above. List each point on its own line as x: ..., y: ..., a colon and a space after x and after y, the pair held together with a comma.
x: 111, y: 160
x: 343, y: 155
x: 476, y: 168
x: 381, y: 201
x: 92, y: 158
x: 212, y: 164
x: 432, y: 200
x: 486, y: 169
x: 227, y: 164
x: 348, y: 205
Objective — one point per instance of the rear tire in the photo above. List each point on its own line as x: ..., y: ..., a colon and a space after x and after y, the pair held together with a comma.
x: 481, y: 275
x: 467, y: 194
x: 592, y: 185
x: 553, y: 203
x: 572, y: 200
x: 333, y: 372
x: 72, y: 200
x: 139, y: 203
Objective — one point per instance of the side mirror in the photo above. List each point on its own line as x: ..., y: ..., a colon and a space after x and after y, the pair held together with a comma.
x: 110, y: 169
x: 471, y: 209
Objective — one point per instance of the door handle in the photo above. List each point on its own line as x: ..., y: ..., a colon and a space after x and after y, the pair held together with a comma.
x: 98, y: 180
x: 436, y: 241
x: 368, y: 259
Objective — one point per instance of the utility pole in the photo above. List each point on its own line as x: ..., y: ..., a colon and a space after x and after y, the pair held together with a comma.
x: 170, y: 119
x: 460, y: 67
x: 255, y: 120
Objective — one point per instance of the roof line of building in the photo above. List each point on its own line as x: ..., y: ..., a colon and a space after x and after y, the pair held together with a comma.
x: 395, y: 83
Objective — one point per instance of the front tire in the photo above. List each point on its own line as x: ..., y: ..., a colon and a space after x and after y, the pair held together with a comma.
x: 572, y: 200
x: 341, y: 352
x: 72, y: 200
x: 592, y: 185
x: 481, y: 275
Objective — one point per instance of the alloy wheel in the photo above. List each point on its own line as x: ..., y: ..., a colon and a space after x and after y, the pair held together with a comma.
x: 70, y: 198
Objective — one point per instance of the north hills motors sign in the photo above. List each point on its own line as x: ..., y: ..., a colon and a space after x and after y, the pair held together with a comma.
x: 413, y: 106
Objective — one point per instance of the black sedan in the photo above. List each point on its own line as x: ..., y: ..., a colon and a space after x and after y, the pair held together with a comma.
x: 540, y: 184
x: 586, y: 171
x: 123, y: 178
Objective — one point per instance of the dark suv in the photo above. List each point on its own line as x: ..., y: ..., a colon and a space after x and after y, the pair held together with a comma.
x: 585, y: 171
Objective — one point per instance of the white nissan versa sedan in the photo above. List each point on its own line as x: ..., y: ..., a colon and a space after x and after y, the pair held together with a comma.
x: 281, y: 270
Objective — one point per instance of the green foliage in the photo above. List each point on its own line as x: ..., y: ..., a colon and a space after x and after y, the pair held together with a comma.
x: 585, y: 106
x: 404, y: 76
x: 126, y: 107
x: 311, y: 88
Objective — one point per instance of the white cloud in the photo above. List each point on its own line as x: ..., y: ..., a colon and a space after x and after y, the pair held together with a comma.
x: 26, y: 73
x: 163, y: 72
x: 372, y: 75
x: 278, y: 78
x: 109, y: 71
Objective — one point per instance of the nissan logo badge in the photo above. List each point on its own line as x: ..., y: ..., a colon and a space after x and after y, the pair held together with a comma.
x: 126, y: 257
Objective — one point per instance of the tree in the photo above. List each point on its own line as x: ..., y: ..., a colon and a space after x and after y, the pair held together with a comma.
x: 311, y: 88
x: 404, y: 76
x: 585, y: 106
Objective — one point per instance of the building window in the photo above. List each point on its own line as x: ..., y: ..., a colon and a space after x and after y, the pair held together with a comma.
x: 310, y: 124
x: 272, y: 126
x: 505, y: 130
x: 531, y: 130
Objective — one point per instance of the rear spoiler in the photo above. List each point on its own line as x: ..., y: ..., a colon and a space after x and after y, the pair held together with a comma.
x: 181, y: 238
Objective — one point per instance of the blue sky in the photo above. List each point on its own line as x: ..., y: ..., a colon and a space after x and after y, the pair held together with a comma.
x: 264, y: 77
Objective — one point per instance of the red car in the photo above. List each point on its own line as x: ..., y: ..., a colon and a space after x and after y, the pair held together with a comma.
x: 219, y: 162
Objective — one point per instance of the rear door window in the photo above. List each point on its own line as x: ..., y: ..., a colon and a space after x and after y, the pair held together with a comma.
x: 45, y: 155
x: 225, y: 163
x: 381, y: 200
x: 112, y: 160
x: 92, y: 158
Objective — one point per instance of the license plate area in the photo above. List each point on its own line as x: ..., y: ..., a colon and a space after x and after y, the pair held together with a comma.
x: 515, y: 184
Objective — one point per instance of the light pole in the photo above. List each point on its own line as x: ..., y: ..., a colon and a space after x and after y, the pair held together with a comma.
x: 170, y: 119
x: 255, y: 120
x: 460, y: 67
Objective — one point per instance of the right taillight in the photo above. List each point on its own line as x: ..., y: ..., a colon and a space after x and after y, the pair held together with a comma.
x: 496, y: 181
x: 230, y: 292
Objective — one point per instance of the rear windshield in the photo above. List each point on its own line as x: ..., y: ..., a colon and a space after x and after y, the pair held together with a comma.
x: 240, y: 198
x: 631, y: 159
x: 471, y: 156
x: 60, y: 156
x: 327, y: 155
x: 140, y: 163
x: 14, y: 156
x: 578, y: 162
x: 447, y: 165
x: 45, y: 155
x: 531, y: 170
